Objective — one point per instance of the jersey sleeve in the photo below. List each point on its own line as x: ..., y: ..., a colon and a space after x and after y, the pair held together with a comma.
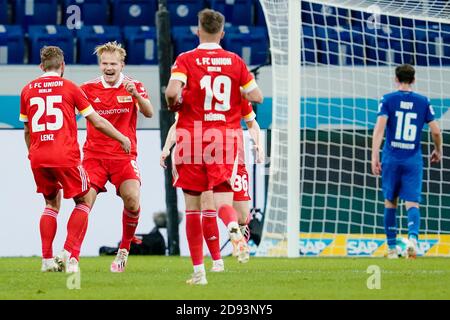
x: 81, y: 102
x: 179, y: 69
x: 383, y: 109
x: 247, y: 111
x: 429, y: 116
x: 247, y: 82
x: 23, y: 107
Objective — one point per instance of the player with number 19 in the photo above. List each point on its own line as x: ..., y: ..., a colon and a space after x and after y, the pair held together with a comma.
x: 205, y: 88
x: 403, y: 114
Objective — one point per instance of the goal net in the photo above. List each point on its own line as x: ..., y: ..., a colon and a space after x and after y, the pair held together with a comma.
x: 349, y: 51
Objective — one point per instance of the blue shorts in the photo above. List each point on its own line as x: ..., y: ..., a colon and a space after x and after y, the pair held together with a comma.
x: 402, y: 178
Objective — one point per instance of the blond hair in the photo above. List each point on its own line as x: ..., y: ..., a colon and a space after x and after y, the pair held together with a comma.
x: 51, y: 58
x: 111, y: 47
x: 211, y: 21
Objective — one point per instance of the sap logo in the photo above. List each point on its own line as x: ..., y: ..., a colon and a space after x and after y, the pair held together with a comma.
x: 313, y: 247
x: 362, y: 247
x: 423, y: 246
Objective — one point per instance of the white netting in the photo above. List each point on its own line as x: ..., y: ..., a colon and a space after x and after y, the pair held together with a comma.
x: 349, y: 52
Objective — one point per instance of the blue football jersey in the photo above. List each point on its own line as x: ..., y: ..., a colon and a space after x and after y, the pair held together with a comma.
x: 407, y: 112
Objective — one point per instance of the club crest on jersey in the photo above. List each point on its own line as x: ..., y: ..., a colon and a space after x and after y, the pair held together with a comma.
x: 124, y: 99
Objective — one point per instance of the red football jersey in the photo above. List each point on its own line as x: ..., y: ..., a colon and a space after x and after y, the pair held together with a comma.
x: 48, y: 104
x: 120, y: 108
x: 213, y: 79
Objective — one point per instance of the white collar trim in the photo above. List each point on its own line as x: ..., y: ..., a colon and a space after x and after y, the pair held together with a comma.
x: 209, y: 46
x: 51, y: 74
x: 106, y: 85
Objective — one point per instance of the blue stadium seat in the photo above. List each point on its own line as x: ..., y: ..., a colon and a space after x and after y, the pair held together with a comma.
x: 141, y: 45
x: 321, y: 15
x: 3, y: 12
x: 389, y: 45
x: 237, y: 12
x: 50, y: 35
x: 12, y: 47
x: 184, y: 39
x: 309, y: 47
x: 134, y: 12
x: 260, y: 20
x: 433, y: 45
x: 251, y: 43
x: 37, y: 12
x: 93, y: 12
x: 344, y: 46
x: 184, y: 12
x: 91, y: 36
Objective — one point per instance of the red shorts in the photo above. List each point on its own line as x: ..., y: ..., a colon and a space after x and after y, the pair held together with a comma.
x: 116, y: 171
x: 240, y: 186
x: 202, y: 177
x: 73, y: 180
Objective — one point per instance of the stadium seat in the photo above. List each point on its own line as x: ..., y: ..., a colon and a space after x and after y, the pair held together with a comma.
x: 389, y: 45
x: 37, y: 12
x: 344, y: 46
x: 433, y: 45
x: 92, y: 11
x: 321, y: 15
x: 134, y: 12
x: 91, y: 36
x: 237, y: 12
x: 4, y: 12
x: 141, y: 45
x: 309, y: 47
x: 260, y: 20
x: 251, y: 43
x: 12, y: 47
x: 184, y: 39
x: 184, y: 12
x: 50, y: 35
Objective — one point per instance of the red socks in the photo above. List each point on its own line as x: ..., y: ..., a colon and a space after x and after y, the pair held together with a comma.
x: 47, y: 227
x: 211, y: 233
x: 76, y: 228
x: 130, y: 221
x: 194, y: 236
x: 227, y: 214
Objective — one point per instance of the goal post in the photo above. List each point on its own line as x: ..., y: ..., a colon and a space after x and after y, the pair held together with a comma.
x: 322, y: 198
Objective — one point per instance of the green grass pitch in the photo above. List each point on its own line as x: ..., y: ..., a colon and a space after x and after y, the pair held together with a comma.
x: 262, y: 278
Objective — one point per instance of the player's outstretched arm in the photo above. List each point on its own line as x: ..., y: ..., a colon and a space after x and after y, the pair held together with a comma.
x: 170, y: 141
x: 105, y: 127
x: 436, y: 135
x: 377, y: 139
x: 173, y: 95
x: 255, y: 133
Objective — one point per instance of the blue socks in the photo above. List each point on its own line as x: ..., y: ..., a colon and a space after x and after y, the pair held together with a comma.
x: 390, y: 226
x: 413, y: 223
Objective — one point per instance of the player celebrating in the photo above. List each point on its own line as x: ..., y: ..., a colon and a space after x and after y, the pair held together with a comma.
x: 117, y: 98
x: 210, y: 81
x: 240, y: 188
x: 404, y: 114
x: 47, y: 108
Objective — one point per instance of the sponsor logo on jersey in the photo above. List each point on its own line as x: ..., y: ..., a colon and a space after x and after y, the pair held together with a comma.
x: 124, y: 99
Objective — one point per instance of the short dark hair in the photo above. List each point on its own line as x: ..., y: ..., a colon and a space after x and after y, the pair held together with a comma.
x: 211, y: 21
x: 405, y: 73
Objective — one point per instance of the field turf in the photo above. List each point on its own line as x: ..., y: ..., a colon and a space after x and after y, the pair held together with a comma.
x: 262, y: 278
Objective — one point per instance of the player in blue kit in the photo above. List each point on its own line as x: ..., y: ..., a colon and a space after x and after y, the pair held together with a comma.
x: 403, y: 114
